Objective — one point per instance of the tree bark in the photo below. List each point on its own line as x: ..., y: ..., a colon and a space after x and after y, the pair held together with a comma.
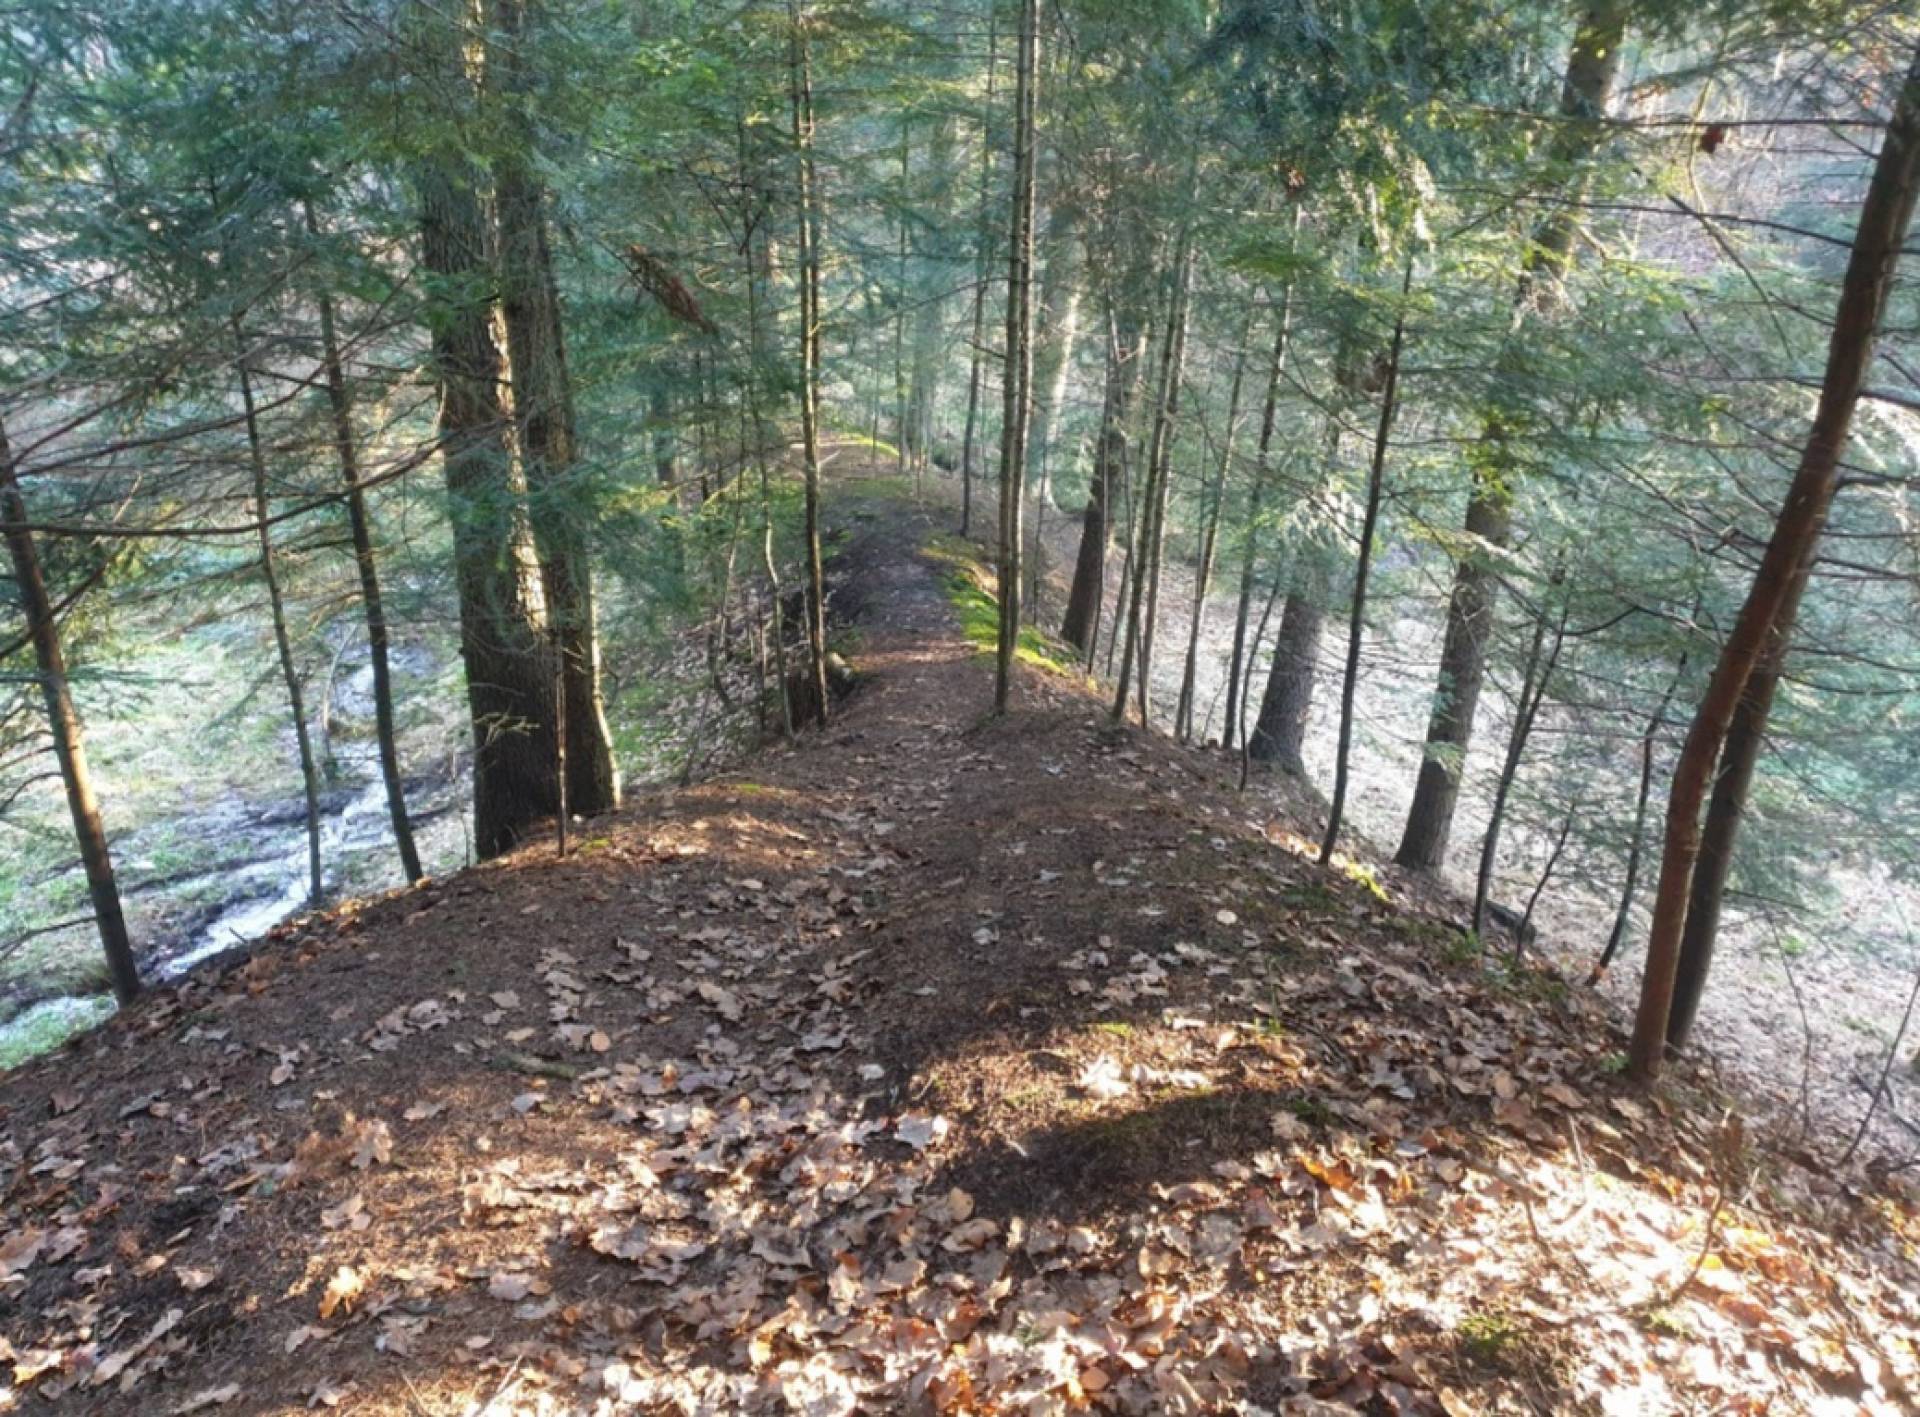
x: 1018, y: 376
x: 1058, y: 317
x: 1126, y: 346
x: 544, y: 420
x: 1212, y: 501
x: 1884, y: 219
x: 502, y: 615
x: 1526, y: 711
x: 1256, y: 499
x: 372, y: 604
x: 1636, y: 842
x: 1726, y: 807
x: 801, y: 76
x: 1356, y: 623
x: 69, y: 739
x: 1160, y: 471
x: 1280, y: 732
x: 277, y: 610
x: 1592, y: 68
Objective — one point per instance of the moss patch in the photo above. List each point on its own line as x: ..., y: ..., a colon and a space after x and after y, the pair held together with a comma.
x: 973, y: 589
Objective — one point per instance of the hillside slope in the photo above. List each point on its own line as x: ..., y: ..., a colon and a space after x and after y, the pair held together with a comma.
x: 936, y: 1063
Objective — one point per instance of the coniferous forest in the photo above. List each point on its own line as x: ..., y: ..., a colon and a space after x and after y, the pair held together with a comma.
x: 970, y: 706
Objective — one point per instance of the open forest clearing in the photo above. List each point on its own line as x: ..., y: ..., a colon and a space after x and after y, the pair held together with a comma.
x: 959, y: 706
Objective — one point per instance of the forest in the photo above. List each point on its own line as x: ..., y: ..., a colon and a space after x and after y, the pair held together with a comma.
x: 959, y: 706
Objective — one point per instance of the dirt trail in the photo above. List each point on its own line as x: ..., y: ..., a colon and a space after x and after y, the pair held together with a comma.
x: 935, y: 1063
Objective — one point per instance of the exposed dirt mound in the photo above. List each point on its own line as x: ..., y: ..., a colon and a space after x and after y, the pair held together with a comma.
x: 939, y: 1063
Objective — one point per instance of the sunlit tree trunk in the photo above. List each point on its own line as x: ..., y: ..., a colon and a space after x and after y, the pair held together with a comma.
x: 63, y: 723
x: 1256, y: 501
x: 502, y: 617
x: 1592, y: 68
x: 800, y: 74
x: 1018, y: 376
x: 1356, y: 625
x: 544, y: 420
x: 1212, y: 500
x: 1884, y: 219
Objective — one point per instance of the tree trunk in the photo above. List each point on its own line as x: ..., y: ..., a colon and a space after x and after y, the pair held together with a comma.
x: 928, y: 360
x: 1592, y: 68
x: 1280, y: 732
x: 1058, y: 316
x: 277, y: 609
x: 1160, y: 471
x: 982, y: 267
x: 1739, y: 757
x: 543, y: 418
x: 1526, y: 710
x: 1637, y: 840
x: 1209, y: 536
x: 1126, y: 345
x: 1356, y: 624
x: 373, y: 606
x: 502, y: 616
x: 1884, y: 218
x: 1017, y: 378
x: 801, y: 75
x: 69, y: 740
x: 1256, y: 498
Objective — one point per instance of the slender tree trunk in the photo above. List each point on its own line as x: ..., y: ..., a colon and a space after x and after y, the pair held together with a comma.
x: 1256, y: 499
x: 1636, y: 842
x: 502, y: 614
x: 902, y: 436
x: 1526, y: 709
x: 928, y: 361
x: 1160, y: 453
x: 801, y: 75
x: 1884, y: 219
x: 660, y: 414
x: 1356, y: 625
x: 1018, y: 374
x: 1726, y: 806
x: 1212, y: 501
x: 544, y: 420
x: 276, y: 606
x: 1524, y: 930
x: 373, y: 605
x: 69, y: 740
x: 1246, y: 685
x: 1592, y: 68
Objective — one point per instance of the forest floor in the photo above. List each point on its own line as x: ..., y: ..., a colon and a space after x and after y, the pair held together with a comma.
x: 939, y: 1063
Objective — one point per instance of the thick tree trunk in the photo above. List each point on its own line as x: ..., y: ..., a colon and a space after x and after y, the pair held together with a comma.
x: 69, y: 740
x: 1058, y: 318
x: 1357, y: 620
x: 1126, y: 345
x: 1884, y: 218
x: 1592, y: 68
x: 277, y: 610
x: 1017, y: 402
x: 372, y: 604
x: 543, y: 415
x: 801, y: 76
x: 502, y: 615
x: 1280, y: 732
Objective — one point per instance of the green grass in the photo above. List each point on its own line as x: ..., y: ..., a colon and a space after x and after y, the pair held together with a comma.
x: 966, y: 580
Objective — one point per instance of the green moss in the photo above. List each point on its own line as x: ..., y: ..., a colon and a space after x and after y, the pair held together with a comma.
x: 967, y: 581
